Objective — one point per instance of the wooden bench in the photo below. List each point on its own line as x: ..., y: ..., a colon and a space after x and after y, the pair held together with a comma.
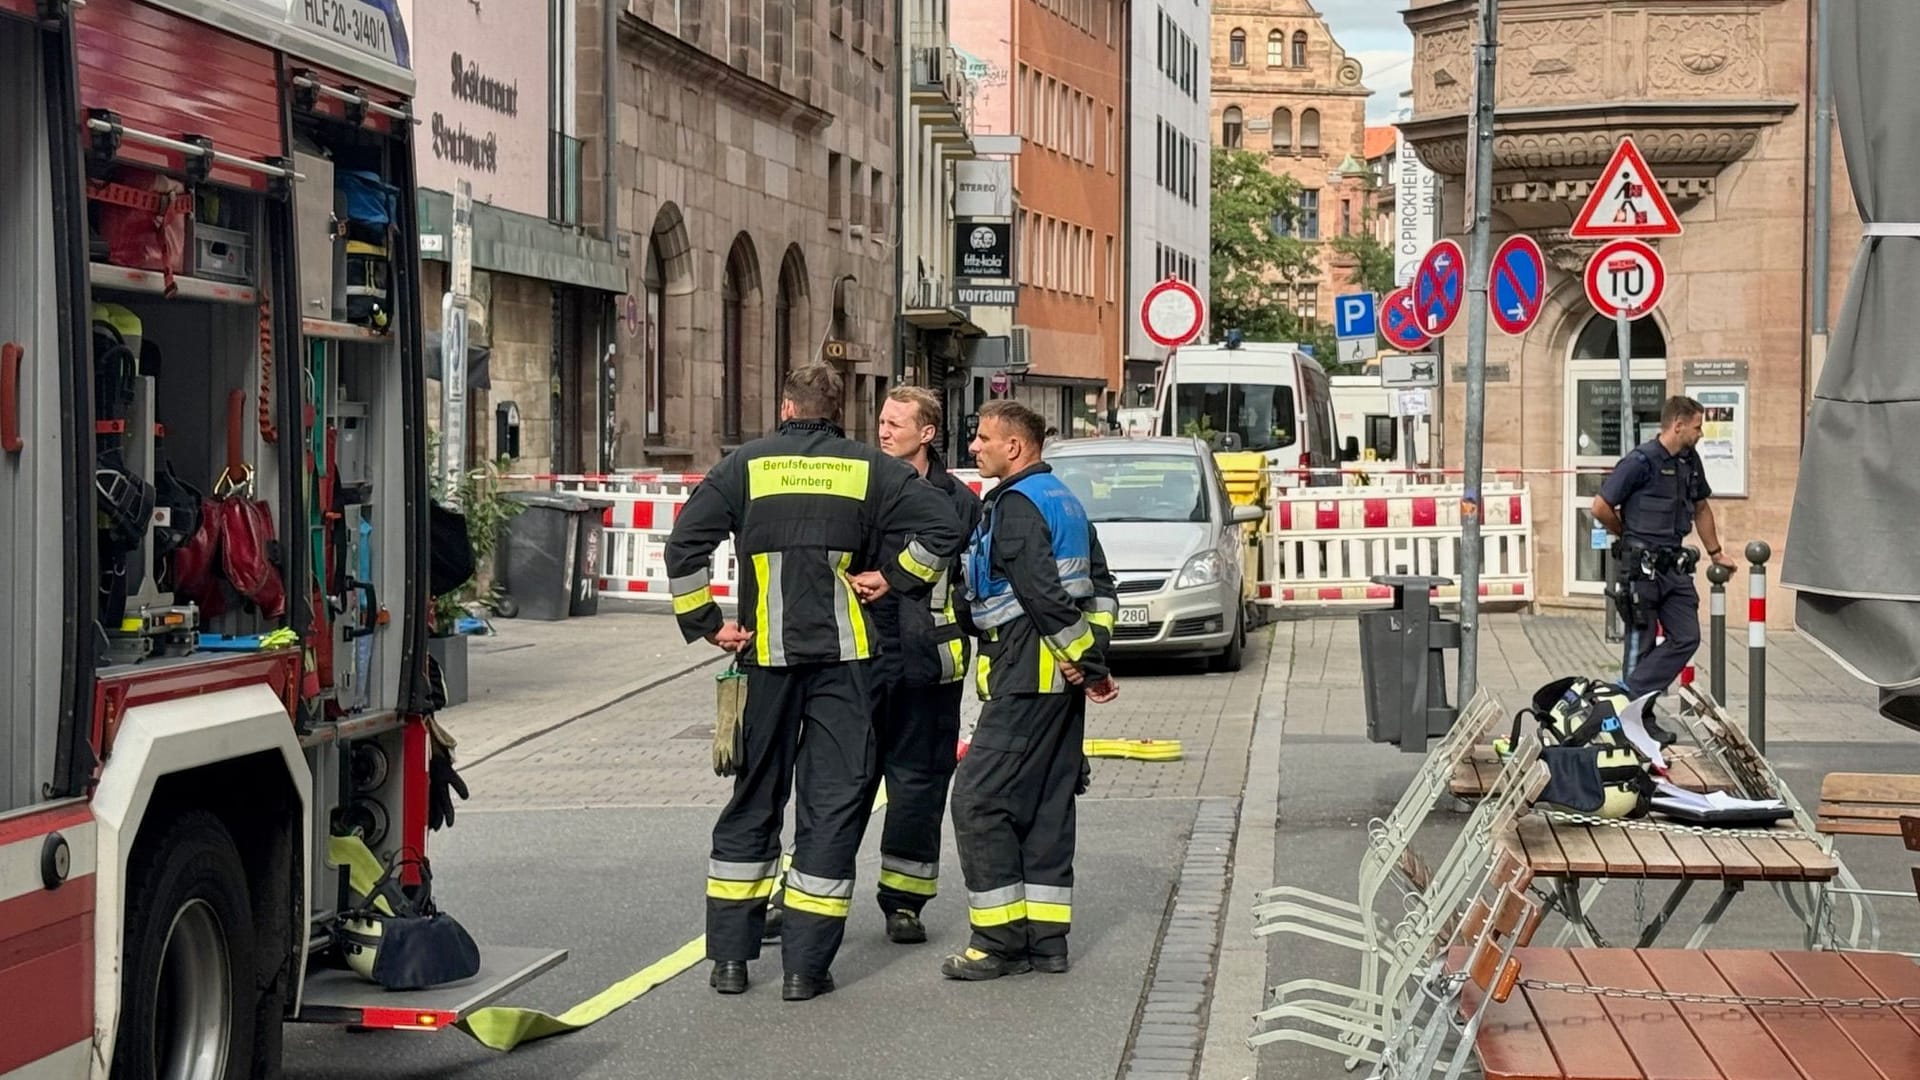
x: 1687, y: 768
x: 1867, y: 804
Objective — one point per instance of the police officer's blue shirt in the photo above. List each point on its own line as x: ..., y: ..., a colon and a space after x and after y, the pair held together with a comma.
x: 1656, y: 493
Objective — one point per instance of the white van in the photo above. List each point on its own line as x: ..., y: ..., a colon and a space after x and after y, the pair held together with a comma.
x: 1270, y: 396
x: 1363, y: 409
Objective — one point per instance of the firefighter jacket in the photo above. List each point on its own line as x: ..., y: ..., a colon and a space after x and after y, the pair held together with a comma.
x: 807, y: 508
x: 1038, y: 590
x: 921, y: 640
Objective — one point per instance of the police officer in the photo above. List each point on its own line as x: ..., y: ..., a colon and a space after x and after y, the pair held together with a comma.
x: 813, y: 515
x: 1654, y: 497
x: 1042, y: 603
x: 923, y: 667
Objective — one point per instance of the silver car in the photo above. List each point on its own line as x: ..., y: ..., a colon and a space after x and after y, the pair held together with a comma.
x: 1173, y: 541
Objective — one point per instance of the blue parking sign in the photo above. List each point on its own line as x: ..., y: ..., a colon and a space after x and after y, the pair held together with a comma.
x: 1355, y: 316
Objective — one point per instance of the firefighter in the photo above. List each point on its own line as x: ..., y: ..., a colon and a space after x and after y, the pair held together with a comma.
x: 1654, y: 497
x: 1042, y: 603
x: 813, y: 515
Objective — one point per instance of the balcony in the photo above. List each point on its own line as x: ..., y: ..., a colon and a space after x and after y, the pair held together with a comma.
x: 928, y: 304
x: 940, y: 89
x: 1694, y: 88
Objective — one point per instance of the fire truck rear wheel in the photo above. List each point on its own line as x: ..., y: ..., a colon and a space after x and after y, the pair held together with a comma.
x: 186, y: 997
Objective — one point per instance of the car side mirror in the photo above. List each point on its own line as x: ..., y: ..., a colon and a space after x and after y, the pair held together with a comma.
x: 1247, y: 515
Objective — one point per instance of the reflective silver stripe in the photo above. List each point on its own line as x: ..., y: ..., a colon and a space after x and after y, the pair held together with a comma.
x: 998, y: 611
x: 1106, y: 604
x: 1070, y: 568
x: 1000, y: 897
x: 908, y: 866
x: 1050, y: 894
x: 775, y: 605
x: 687, y: 583
x: 828, y: 888
x: 937, y: 599
x: 722, y: 870
x: 1079, y: 588
x: 918, y: 553
x: 1064, y: 640
x: 843, y: 599
x: 949, y: 669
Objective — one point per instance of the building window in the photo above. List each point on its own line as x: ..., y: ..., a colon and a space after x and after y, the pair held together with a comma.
x: 1110, y: 276
x: 1309, y: 131
x: 655, y: 343
x: 1283, y: 131
x: 1113, y: 145
x: 837, y: 18
x: 877, y: 203
x: 1237, y: 48
x: 1346, y: 217
x: 1045, y: 135
x: 858, y: 215
x: 836, y: 191
x: 1309, y: 203
x: 1276, y: 48
x: 1023, y: 104
x: 734, y: 294
x: 1308, y: 306
x: 1299, y: 48
x: 1230, y: 128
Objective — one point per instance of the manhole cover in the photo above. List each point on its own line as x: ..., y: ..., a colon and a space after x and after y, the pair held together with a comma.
x: 697, y: 731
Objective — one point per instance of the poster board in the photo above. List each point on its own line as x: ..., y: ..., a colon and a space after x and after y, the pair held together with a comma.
x: 1721, y: 386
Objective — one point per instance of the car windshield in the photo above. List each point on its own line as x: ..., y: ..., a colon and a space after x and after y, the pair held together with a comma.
x: 1135, y: 487
x: 1261, y: 415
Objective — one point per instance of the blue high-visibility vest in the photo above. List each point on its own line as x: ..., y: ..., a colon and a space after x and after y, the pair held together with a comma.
x: 990, y: 597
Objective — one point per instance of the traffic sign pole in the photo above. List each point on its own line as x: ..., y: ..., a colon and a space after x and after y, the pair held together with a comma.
x: 1623, y: 326
x: 1477, y: 316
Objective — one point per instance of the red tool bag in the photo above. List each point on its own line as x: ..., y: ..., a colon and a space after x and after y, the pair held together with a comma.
x: 143, y: 218
x: 235, y: 539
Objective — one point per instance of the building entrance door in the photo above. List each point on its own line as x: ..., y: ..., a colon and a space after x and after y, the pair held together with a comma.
x: 1593, y: 438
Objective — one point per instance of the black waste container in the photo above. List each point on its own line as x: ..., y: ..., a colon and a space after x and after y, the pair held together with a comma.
x: 537, y: 559
x: 589, y: 552
x: 1402, y: 665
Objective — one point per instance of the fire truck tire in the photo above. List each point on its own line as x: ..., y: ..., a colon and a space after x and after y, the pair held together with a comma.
x: 186, y: 999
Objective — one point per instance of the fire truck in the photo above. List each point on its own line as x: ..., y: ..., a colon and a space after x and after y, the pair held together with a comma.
x: 214, y: 567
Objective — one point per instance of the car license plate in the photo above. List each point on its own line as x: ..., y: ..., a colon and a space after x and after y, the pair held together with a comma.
x: 1132, y: 616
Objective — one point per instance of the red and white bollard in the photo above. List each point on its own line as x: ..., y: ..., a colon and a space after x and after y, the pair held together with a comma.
x: 1757, y: 555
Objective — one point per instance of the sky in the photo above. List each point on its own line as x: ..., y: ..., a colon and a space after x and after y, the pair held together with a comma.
x: 1372, y: 33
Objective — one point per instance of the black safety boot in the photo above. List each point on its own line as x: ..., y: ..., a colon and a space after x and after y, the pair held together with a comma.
x: 729, y: 976
x: 797, y: 987
x: 976, y: 966
x: 1651, y: 721
x: 1052, y: 965
x: 905, y: 928
x: 776, y: 916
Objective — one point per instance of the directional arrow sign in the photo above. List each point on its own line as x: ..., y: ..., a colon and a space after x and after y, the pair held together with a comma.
x: 1439, y: 286
x: 1400, y: 324
x: 1519, y: 284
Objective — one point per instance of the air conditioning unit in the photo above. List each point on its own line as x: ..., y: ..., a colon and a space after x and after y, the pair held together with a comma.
x: 1019, y: 351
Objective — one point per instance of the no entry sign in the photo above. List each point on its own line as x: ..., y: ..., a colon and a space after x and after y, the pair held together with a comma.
x: 1172, y: 313
x: 1625, y: 276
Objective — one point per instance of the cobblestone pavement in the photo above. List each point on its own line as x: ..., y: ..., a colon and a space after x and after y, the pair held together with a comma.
x: 1809, y: 697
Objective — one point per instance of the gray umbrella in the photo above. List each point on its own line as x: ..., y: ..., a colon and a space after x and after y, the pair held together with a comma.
x: 1856, y: 511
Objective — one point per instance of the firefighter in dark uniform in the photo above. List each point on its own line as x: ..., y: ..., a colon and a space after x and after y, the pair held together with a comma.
x: 1654, y: 497
x: 1042, y: 604
x: 811, y: 513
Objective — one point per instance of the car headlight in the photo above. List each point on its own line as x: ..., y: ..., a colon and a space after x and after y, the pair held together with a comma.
x: 1202, y: 569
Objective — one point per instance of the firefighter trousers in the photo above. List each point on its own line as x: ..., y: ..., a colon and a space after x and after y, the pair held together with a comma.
x: 808, y: 732
x: 1013, y: 819
x: 917, y: 729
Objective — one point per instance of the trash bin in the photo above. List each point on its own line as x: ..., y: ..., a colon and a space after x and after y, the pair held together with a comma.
x: 589, y: 550
x: 538, y: 556
x: 1403, y: 665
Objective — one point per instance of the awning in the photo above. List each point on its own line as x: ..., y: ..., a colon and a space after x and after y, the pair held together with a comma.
x: 507, y: 242
x: 1856, y: 512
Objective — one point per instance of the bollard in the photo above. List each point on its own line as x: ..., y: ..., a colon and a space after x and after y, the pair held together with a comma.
x: 1757, y: 554
x: 1717, y: 578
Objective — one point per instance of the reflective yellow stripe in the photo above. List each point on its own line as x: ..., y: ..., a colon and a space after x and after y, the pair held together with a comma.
x: 831, y: 907
x: 856, y: 613
x: 1040, y: 911
x: 1078, y: 647
x: 907, y: 883
x: 981, y: 667
x: 692, y: 601
x: 762, y: 641
x: 1101, y: 619
x: 958, y: 650
x: 722, y: 889
x: 1049, y: 671
x: 917, y: 568
x: 843, y: 477
x: 1000, y: 915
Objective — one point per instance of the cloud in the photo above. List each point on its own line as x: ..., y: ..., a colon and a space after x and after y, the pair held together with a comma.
x: 1372, y: 32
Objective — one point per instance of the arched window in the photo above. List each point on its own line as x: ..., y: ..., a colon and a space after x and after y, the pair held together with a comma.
x: 1600, y: 340
x: 789, y: 317
x: 654, y: 335
x: 1276, y: 48
x: 1309, y: 131
x: 1283, y: 131
x: 1299, y: 48
x: 1230, y: 128
x: 1237, y: 48
x: 739, y: 304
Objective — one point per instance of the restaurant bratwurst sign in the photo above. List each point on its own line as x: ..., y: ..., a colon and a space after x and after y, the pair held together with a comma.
x: 486, y: 109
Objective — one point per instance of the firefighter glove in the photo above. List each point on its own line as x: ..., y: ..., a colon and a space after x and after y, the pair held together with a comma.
x: 443, y: 784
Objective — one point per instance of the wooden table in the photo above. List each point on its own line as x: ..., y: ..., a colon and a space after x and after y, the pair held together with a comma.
x: 1542, y: 1034
x: 1566, y: 853
x: 1687, y: 768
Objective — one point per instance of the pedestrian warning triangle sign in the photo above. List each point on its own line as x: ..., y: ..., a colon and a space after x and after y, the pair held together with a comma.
x: 1626, y: 201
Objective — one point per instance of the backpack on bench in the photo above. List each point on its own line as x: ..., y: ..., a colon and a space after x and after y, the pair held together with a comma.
x: 1594, y: 768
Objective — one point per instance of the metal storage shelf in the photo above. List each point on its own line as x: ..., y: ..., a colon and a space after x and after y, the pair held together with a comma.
x: 339, y: 331
x: 127, y: 279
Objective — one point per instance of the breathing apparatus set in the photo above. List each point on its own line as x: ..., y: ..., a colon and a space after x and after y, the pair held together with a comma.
x: 1595, y: 767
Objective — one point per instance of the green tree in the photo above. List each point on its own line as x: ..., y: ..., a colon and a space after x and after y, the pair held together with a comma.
x: 1254, y: 264
x: 1372, y: 261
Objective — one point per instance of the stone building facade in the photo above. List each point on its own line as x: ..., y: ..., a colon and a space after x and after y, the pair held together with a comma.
x: 1717, y: 97
x: 755, y: 165
x: 1283, y: 87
